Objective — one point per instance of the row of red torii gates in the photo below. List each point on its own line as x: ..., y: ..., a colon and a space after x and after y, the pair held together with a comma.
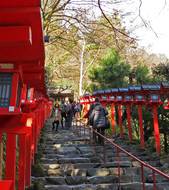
x: 24, y: 104
x: 145, y: 95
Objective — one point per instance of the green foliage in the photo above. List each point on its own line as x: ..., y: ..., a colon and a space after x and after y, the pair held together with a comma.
x: 161, y: 72
x: 37, y: 185
x: 142, y: 74
x: 111, y: 72
x: 37, y: 170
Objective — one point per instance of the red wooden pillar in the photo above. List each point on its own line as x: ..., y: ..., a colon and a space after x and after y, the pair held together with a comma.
x: 14, y: 89
x: 36, y: 131
x: 1, y: 155
x: 128, y: 107
x: 10, y: 170
x: 24, y: 92
x: 113, y: 117
x: 120, y: 120
x: 28, y: 160
x: 0, y: 137
x: 22, y: 162
x: 156, y: 129
x: 140, y: 118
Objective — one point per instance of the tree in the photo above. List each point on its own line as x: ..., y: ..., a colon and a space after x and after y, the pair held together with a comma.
x: 141, y: 74
x: 161, y: 71
x: 111, y: 72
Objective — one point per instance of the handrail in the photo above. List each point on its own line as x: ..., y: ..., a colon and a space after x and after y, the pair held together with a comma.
x: 120, y: 149
x: 132, y: 156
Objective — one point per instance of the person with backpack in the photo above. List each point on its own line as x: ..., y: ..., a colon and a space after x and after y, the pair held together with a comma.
x: 98, y: 119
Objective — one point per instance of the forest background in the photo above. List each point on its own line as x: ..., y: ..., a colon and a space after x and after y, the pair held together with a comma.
x: 89, y: 48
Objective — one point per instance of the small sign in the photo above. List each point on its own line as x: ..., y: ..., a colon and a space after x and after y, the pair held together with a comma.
x: 11, y: 108
x: 6, y: 66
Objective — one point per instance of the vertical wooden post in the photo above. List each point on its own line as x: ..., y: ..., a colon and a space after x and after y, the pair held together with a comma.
x: 22, y: 162
x: 14, y: 89
x: 113, y: 117
x: 156, y: 129
x: 129, y: 122
x: 24, y: 92
x: 28, y: 160
x: 140, y: 118
x: 120, y: 120
x: 1, y: 155
x: 10, y: 170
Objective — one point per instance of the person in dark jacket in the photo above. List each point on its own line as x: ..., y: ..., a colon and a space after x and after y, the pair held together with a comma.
x: 97, y: 118
x: 69, y: 113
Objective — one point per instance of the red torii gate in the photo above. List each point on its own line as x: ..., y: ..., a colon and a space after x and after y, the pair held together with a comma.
x: 24, y: 105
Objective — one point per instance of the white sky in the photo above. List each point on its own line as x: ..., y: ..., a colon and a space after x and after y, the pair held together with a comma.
x: 155, y: 12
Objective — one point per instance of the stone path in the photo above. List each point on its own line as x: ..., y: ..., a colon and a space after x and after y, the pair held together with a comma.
x: 70, y: 162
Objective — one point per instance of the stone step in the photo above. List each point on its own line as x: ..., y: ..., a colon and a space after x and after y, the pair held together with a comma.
x: 90, y: 155
x: 73, y: 163
x: 100, y: 171
x: 134, y: 173
x: 70, y: 166
x: 66, y: 160
x: 77, y: 180
x: 86, y: 151
x: 122, y: 186
x: 95, y: 158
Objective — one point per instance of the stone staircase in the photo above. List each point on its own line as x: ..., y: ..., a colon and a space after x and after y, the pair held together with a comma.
x: 71, y: 162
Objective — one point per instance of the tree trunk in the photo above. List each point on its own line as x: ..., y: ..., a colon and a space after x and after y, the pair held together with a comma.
x: 81, y: 67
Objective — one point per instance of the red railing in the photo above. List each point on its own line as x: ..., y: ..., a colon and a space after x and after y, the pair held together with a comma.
x: 84, y: 130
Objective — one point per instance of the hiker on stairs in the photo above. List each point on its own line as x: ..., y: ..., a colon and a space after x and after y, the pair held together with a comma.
x: 57, y: 117
x: 97, y: 118
x: 69, y: 113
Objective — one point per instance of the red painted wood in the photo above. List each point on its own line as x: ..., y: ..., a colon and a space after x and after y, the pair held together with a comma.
x: 120, y: 120
x: 0, y: 137
x: 156, y: 129
x: 22, y: 53
x: 140, y: 119
x: 10, y: 170
x: 23, y: 17
x: 128, y: 107
x: 6, y: 184
x: 19, y: 3
x: 13, y: 36
x: 28, y: 160
x: 23, y: 93
x: 113, y: 117
x: 13, y: 99
x: 22, y: 162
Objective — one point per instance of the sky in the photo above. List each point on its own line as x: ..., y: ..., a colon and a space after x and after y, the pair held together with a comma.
x: 155, y: 37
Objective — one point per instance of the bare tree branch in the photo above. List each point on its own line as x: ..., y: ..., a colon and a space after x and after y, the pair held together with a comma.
x: 114, y: 28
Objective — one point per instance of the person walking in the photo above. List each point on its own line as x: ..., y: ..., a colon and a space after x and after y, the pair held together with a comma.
x: 98, y: 120
x: 69, y: 113
x: 57, y: 117
x: 77, y: 112
x: 63, y: 113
